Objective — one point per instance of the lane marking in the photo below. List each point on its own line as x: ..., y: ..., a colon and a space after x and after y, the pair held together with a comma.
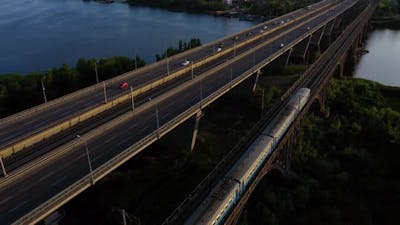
x: 16, y: 207
x: 59, y: 181
x: 6, y: 199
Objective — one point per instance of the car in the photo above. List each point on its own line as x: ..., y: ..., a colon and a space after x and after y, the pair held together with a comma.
x: 265, y: 27
x: 219, y: 49
x: 282, y: 22
x: 124, y: 86
x: 249, y: 34
x: 185, y: 63
x: 281, y: 45
x: 261, y: 31
x: 287, y: 20
x: 308, y: 28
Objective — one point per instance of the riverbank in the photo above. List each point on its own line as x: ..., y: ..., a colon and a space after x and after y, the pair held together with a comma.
x: 345, y: 167
x: 208, y: 7
x: 388, y: 22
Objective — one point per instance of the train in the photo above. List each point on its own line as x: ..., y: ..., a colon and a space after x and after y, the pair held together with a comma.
x: 228, y: 191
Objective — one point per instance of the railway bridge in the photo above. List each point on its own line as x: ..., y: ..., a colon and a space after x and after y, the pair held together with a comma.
x: 60, y: 148
x: 209, y: 195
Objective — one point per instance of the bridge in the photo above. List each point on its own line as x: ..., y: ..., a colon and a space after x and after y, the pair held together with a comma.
x: 210, y: 202
x: 47, y: 158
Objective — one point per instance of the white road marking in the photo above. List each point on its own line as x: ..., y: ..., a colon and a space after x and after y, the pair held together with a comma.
x: 110, y: 139
x: 170, y: 104
x: 6, y: 199
x: 58, y: 181
x: 16, y: 207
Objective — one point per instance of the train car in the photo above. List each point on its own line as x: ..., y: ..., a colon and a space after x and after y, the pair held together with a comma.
x: 283, y: 121
x: 228, y: 191
x: 247, y: 166
x: 217, y: 203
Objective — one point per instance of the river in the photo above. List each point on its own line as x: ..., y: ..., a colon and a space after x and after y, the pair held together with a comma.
x: 382, y: 63
x: 39, y: 34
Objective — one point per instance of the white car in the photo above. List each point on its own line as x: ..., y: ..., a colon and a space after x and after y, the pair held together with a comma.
x: 185, y: 63
x: 282, y: 22
x: 281, y: 45
x: 265, y: 27
x: 308, y: 28
x: 219, y: 49
x: 261, y: 31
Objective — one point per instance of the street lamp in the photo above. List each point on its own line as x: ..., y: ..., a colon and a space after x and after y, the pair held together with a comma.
x: 43, y: 89
x: 88, y: 157
x: 192, y: 69
x: 157, y: 119
x: 95, y: 70
x: 136, y: 60
x: 105, y: 94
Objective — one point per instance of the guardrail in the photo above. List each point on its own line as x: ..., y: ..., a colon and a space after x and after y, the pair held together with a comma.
x: 46, y: 208
x: 64, y: 124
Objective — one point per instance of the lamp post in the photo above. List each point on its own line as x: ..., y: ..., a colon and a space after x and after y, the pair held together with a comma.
x: 44, y: 90
x: 133, y: 101
x: 97, y: 74
x: 88, y: 157
x: 192, y: 69
x: 105, y: 94
x: 157, y: 118
x: 136, y: 60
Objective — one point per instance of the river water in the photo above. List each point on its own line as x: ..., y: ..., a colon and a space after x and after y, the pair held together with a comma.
x: 36, y: 35
x: 382, y: 63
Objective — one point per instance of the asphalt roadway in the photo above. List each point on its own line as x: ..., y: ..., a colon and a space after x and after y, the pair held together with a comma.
x: 65, y: 136
x: 23, y: 127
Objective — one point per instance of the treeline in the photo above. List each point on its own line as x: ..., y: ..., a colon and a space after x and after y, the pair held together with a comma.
x: 389, y: 7
x: 186, y: 5
x: 182, y: 46
x: 19, y: 92
x: 345, y: 168
x: 275, y: 7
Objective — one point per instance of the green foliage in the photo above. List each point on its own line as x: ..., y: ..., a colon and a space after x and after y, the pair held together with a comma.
x: 19, y: 92
x: 345, y: 168
x: 187, y: 5
x: 386, y: 7
x: 182, y: 46
x: 276, y: 7
x: 294, y: 69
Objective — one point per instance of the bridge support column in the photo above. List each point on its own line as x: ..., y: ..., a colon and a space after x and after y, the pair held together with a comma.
x: 315, y: 44
x: 196, y: 129
x: 327, y: 37
x: 337, y: 28
x: 300, y: 51
x: 281, y: 62
x: 256, y: 81
x: 3, y: 168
